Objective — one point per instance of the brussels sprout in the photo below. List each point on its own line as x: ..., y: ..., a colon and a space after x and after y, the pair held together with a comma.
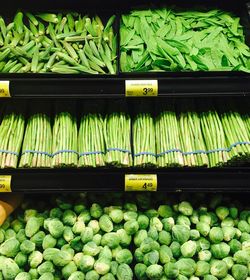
x: 105, y: 253
x: 78, y: 208
x: 235, y: 245
x: 76, y: 244
x: 220, y: 251
x: 113, y: 267
x: 56, y: 213
x: 194, y: 234
x: 78, y: 275
x: 9, y: 269
x: 2, y: 235
x: 222, y: 212
x: 124, y: 238
x: 203, y: 228
x: 86, y: 263
x: 210, y: 277
x: 238, y: 233
x: 77, y: 259
x: 176, y: 249
x: 21, y: 259
x: 146, y: 245
x: 228, y: 222
x: 138, y: 255
x: 10, y: 247
x: 23, y: 276
x: 130, y: 206
x: 69, y: 269
x: 168, y: 223
x: 84, y: 216
x: 91, y: 249
x: 180, y: 233
x: 62, y: 258
x: 78, y: 227
x: 206, y: 218
x: 216, y: 235
x: 202, y: 244
x: 154, y: 271
x: 218, y: 269
x: 214, y: 219
x: 47, y: 276
x: 155, y: 222
x: 186, y: 266
x: 96, y: 211
x: 244, y: 226
x: 32, y: 227
x: 229, y: 233
x: 38, y: 238
x: 150, y: 213
x: 61, y: 242
x: 165, y: 211
x: 188, y: 249
x: 21, y: 236
x: 108, y: 276
x: 68, y: 234
x: 130, y: 215
x: 112, y: 240
x: 244, y: 215
x: 171, y: 270
x: 10, y: 233
x: 97, y: 239
x: 181, y: 277
x: 153, y: 233
x: 131, y: 227
x: 49, y: 254
x: 27, y: 247
x: 116, y: 215
x: 185, y: 208
x: 233, y: 212
x: 151, y: 258
x: 140, y: 271
x: 45, y: 267
x: 124, y: 272
x: 166, y: 254
x: 87, y: 235
x: 143, y: 221
x: 124, y: 256
x: 35, y: 258
x: 228, y: 277
x: 194, y: 278
x: 244, y: 237
x: 242, y: 257
x: 205, y: 255
x: 239, y: 272
x: 69, y: 218
x: 229, y: 262
x: 202, y: 268
x: 102, y: 266
x: 194, y: 218
x: 164, y: 238
x: 105, y: 223
x: 55, y: 227
x: 94, y: 224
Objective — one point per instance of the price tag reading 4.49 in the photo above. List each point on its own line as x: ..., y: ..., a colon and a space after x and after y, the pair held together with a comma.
x: 141, y: 182
x: 5, y: 183
x: 135, y: 88
x: 4, y: 89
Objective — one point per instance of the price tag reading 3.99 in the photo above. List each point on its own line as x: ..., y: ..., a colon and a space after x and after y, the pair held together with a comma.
x: 137, y: 88
x: 141, y: 182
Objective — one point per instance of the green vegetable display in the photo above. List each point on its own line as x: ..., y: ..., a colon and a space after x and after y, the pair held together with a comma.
x: 171, y: 40
x: 112, y: 236
x: 59, y: 43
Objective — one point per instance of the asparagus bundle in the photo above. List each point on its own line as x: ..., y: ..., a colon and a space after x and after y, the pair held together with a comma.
x: 11, y: 137
x: 214, y: 138
x: 192, y: 143
x: 168, y: 140
x: 247, y: 122
x: 91, y: 144
x: 144, y: 140
x: 237, y: 136
x: 65, y: 141
x: 117, y: 131
x: 36, y: 151
x: 63, y: 43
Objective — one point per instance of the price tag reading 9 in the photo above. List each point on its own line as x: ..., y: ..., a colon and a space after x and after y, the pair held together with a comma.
x: 137, y: 88
x: 5, y: 183
x: 141, y: 182
x: 4, y: 89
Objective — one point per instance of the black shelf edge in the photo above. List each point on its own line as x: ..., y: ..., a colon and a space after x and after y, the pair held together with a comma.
x: 109, y: 179
x: 170, y: 85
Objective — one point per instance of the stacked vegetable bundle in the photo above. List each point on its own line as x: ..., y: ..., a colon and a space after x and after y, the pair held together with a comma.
x: 63, y: 43
x: 169, y: 40
x: 92, y: 236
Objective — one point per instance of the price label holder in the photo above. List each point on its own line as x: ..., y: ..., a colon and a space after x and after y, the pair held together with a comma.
x: 5, y: 183
x: 138, y: 88
x: 141, y: 182
x: 5, y: 89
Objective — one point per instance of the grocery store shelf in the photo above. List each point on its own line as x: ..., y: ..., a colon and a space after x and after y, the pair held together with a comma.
x: 170, y: 85
x: 108, y: 179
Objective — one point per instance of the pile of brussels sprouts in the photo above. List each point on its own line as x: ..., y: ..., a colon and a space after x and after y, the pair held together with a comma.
x: 108, y: 237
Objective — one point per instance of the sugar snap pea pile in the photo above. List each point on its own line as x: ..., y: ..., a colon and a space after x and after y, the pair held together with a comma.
x: 60, y: 43
x: 167, y: 40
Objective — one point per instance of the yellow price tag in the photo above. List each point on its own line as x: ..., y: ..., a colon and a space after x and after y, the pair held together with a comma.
x: 134, y: 88
x: 141, y: 182
x: 5, y: 89
x: 5, y: 183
